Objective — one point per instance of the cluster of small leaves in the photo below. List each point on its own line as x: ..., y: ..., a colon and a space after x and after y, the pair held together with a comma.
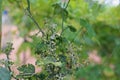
x: 8, y: 48
x: 5, y: 71
x: 58, y: 56
x: 25, y: 71
x: 7, y: 51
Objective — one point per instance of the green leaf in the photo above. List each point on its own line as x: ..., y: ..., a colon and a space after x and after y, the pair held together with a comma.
x: 40, y: 48
x: 4, y: 74
x: 64, y: 14
x: 88, y: 27
x: 8, y: 48
x: 57, y: 63
x: 47, y: 60
x: 91, y: 72
x: 27, y: 69
x: 58, y: 10
x: 44, y: 61
x: 72, y: 28
x: 41, y: 76
x: 108, y: 72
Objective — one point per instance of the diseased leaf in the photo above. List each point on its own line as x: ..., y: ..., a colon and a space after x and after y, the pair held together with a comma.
x: 48, y: 60
x: 26, y: 70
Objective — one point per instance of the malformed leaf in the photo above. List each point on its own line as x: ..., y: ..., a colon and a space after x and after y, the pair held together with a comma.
x: 48, y: 60
x: 26, y: 70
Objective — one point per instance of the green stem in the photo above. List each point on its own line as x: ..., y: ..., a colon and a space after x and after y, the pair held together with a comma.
x: 9, y: 68
x: 63, y: 17
x: 32, y: 18
x: 62, y: 24
x: 67, y: 4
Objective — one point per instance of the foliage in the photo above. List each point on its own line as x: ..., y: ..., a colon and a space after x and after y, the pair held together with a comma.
x: 5, y: 72
x: 69, y: 32
x: 26, y: 71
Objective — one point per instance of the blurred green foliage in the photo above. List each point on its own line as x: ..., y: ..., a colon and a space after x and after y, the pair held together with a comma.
x: 88, y: 24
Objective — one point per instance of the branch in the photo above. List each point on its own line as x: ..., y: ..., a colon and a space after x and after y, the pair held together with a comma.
x: 32, y: 18
x: 10, y: 68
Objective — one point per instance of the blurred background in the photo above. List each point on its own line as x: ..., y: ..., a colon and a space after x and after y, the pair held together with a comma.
x: 101, y: 45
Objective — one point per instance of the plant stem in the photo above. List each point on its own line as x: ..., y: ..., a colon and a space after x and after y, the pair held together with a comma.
x: 63, y: 17
x: 30, y: 15
x: 35, y: 22
x: 67, y: 4
x: 10, y: 68
x: 62, y: 24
